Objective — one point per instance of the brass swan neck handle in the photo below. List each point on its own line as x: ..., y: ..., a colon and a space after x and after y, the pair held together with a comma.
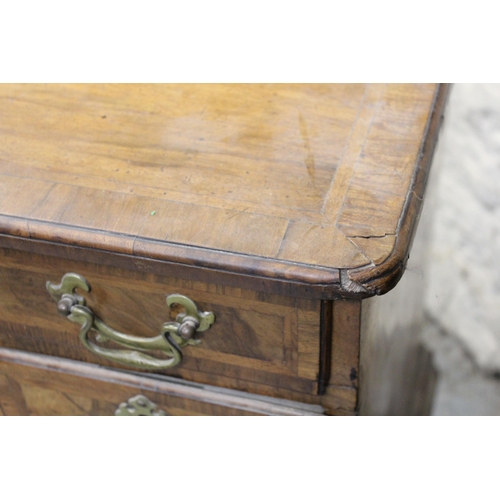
x: 173, y: 334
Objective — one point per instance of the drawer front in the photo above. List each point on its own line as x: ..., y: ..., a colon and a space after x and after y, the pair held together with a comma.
x: 261, y: 342
x: 34, y: 384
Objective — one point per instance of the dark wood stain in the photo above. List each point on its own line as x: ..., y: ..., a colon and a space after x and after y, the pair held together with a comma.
x: 326, y: 327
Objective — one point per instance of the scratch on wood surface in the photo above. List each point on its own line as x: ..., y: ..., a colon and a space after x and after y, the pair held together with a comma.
x: 309, y: 157
x: 373, y: 236
x: 238, y: 213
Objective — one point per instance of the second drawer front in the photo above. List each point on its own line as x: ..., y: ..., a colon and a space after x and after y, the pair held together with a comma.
x: 34, y: 384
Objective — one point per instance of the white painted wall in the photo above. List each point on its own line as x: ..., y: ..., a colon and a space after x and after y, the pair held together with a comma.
x: 463, y: 299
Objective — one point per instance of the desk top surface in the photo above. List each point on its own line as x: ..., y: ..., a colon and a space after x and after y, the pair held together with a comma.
x: 308, y: 183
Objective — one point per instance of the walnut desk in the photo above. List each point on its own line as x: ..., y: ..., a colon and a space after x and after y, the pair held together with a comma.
x: 212, y: 249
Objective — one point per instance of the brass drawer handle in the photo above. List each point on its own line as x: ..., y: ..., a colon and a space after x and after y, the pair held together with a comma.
x: 173, y: 334
x: 139, y: 406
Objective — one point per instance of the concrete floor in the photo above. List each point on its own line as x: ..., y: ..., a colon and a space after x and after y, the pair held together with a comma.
x: 463, y: 277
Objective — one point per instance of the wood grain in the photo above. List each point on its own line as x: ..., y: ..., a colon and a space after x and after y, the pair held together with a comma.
x: 264, y: 338
x: 345, y: 343
x: 264, y: 343
x: 289, y: 182
x: 263, y: 203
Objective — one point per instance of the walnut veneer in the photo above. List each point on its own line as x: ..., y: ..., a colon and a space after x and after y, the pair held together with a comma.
x: 281, y: 208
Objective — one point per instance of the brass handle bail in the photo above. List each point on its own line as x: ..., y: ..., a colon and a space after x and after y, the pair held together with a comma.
x: 173, y: 334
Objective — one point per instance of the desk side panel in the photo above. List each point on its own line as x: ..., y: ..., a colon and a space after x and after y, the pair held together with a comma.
x: 397, y: 376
